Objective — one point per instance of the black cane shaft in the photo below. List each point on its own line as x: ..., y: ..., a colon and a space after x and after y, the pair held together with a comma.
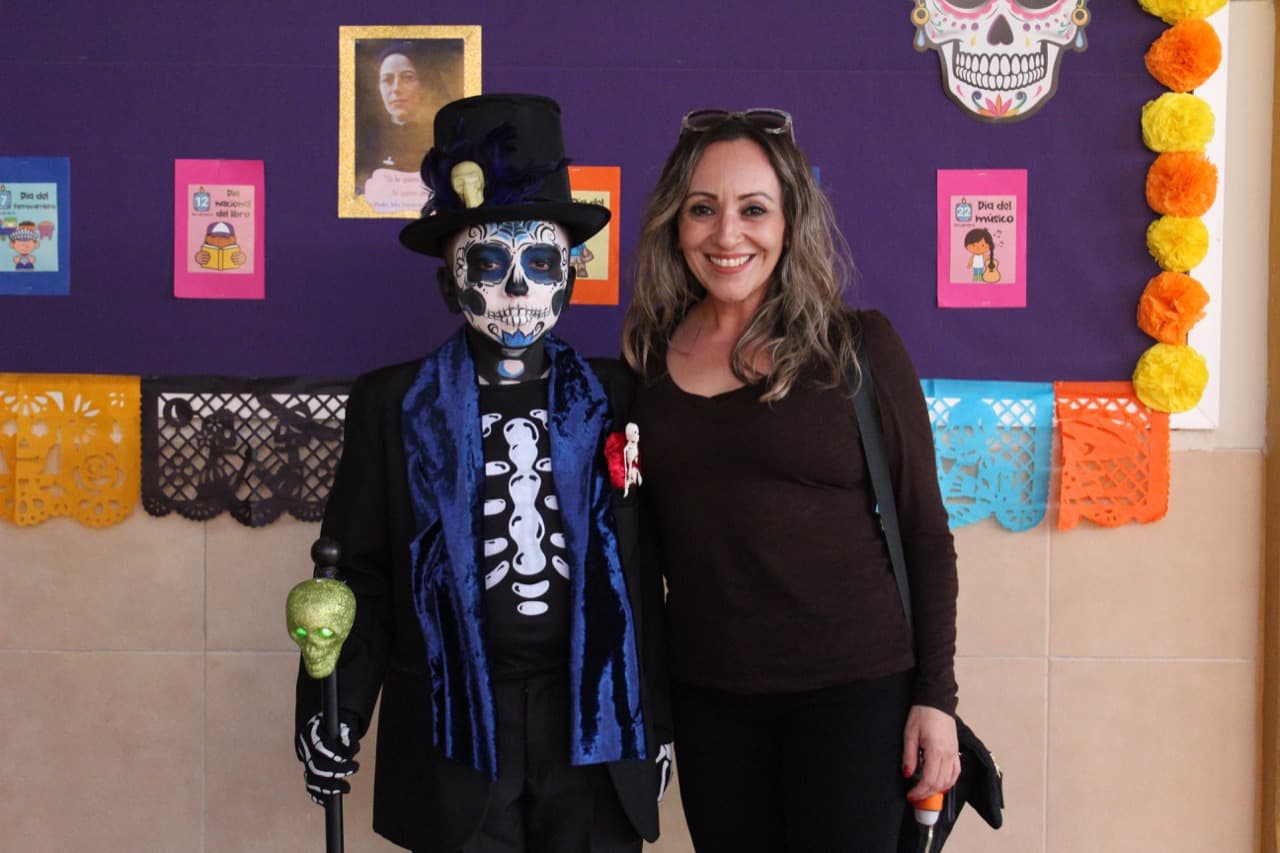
x: 333, y: 804
x: 333, y: 824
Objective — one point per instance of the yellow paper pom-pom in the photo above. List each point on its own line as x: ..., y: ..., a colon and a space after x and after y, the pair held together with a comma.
x: 1170, y: 378
x: 1176, y: 121
x: 1185, y: 55
x: 1177, y: 244
x: 1171, y: 304
x: 1182, y: 183
x: 1172, y: 11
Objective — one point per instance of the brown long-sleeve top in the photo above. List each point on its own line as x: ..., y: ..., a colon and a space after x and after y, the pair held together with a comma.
x: 778, y: 575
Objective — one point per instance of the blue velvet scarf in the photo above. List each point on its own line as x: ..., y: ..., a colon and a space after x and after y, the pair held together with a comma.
x: 441, y: 423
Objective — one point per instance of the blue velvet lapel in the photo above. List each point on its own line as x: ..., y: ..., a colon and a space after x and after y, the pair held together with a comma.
x: 444, y: 458
x: 441, y: 416
x: 604, y: 673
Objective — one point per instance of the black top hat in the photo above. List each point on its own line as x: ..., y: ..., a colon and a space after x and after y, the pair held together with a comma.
x: 517, y: 143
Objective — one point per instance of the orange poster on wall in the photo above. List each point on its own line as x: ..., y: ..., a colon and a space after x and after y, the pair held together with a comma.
x: 596, y: 261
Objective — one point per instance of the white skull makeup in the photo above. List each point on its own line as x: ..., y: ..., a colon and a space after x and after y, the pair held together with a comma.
x: 1000, y: 58
x: 513, y: 279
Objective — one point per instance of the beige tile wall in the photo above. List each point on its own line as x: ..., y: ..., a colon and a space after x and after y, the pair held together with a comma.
x: 1114, y: 672
x: 147, y: 682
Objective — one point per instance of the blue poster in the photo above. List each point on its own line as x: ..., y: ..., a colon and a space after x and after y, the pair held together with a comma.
x: 35, y: 220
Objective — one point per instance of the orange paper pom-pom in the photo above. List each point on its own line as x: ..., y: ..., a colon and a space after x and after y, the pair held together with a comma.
x: 1171, y: 304
x: 1182, y: 183
x: 1185, y: 55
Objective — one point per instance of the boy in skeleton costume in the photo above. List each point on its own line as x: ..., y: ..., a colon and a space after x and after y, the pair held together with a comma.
x: 508, y: 609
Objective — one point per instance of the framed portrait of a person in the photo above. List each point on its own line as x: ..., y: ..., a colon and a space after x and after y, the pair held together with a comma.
x: 392, y: 80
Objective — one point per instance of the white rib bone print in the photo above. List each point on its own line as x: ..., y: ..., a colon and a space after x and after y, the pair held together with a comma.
x: 526, y: 529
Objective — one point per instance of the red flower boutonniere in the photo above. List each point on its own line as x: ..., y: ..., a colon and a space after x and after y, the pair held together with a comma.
x: 622, y: 452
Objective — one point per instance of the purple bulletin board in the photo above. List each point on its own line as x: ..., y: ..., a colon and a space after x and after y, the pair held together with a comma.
x: 124, y: 94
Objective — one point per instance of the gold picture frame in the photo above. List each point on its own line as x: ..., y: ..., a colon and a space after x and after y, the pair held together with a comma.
x: 392, y: 80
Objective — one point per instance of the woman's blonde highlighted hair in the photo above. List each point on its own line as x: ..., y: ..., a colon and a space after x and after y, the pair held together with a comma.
x: 802, y: 319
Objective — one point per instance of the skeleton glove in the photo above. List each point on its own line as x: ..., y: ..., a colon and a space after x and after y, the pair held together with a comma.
x: 326, y: 762
x: 663, y: 762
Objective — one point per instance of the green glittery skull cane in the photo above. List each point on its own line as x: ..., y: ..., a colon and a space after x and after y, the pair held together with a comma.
x: 320, y: 613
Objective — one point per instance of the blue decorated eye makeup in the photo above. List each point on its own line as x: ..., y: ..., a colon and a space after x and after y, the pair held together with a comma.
x: 541, y: 264
x: 487, y: 263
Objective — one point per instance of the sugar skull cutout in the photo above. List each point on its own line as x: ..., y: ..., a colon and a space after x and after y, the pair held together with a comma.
x: 319, y: 613
x: 1000, y: 58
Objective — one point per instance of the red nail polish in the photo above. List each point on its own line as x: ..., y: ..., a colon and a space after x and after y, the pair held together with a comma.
x: 906, y: 774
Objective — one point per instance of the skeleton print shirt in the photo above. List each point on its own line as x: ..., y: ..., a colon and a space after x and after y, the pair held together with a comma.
x: 526, y: 573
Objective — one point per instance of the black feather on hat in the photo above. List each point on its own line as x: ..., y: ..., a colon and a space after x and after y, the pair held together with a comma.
x: 517, y: 142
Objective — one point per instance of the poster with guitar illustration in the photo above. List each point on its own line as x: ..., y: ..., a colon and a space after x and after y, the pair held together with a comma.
x: 982, y: 238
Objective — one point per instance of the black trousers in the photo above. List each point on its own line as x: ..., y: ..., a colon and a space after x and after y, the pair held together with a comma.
x: 812, y: 772
x: 541, y: 803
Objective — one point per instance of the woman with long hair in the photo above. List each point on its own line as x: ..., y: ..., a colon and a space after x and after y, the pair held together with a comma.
x: 805, y: 713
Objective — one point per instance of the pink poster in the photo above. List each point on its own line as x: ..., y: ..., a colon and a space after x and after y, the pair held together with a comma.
x: 218, y: 229
x: 982, y: 238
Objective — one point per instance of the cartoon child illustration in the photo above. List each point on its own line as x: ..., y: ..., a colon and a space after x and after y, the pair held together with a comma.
x: 982, y: 256
x: 579, y: 257
x: 220, y: 250
x: 24, y: 240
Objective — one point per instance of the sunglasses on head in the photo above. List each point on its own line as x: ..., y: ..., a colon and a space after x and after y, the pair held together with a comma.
x: 763, y: 119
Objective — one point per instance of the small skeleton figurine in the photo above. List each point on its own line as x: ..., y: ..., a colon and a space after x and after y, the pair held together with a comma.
x: 631, y: 460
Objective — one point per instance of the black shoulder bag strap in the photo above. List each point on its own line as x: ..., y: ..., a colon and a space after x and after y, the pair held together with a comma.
x: 913, y: 837
x: 868, y: 412
x: 981, y: 783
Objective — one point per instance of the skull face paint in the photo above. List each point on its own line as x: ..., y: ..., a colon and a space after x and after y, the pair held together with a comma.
x: 320, y: 613
x: 1000, y: 58
x: 512, y: 279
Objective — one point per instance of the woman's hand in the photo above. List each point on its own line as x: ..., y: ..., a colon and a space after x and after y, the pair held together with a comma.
x: 934, y: 732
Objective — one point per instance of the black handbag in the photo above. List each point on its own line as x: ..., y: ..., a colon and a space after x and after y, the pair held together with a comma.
x: 981, y: 782
x: 981, y: 785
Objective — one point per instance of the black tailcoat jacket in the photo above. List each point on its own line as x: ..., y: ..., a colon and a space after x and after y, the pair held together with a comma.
x: 424, y: 800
